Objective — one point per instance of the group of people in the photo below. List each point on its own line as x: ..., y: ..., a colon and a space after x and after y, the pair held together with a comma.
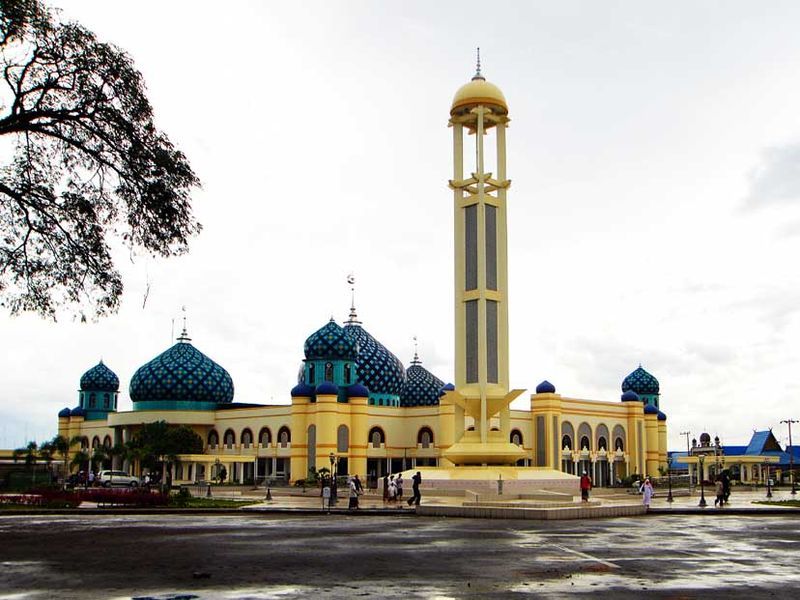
x: 722, y: 488
x: 645, y: 489
x: 393, y: 489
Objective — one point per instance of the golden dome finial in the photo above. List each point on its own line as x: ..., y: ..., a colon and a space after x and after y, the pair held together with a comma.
x: 478, y: 68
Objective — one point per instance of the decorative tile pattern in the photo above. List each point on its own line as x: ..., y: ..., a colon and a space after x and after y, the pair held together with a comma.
x: 330, y: 342
x: 182, y: 374
x: 641, y: 382
x: 99, y: 379
x: 421, y: 388
x: 378, y: 369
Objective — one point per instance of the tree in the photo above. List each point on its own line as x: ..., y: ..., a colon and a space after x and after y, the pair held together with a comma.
x: 89, y: 165
x: 31, y: 455
x: 159, y: 444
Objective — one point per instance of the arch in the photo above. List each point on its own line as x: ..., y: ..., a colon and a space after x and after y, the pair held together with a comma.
x: 425, y: 437
x: 265, y: 437
x: 95, y: 442
x: 107, y: 442
x: 584, y: 436
x: 516, y: 437
x: 329, y: 372
x: 348, y: 374
x: 377, y: 437
x: 284, y: 436
x: 84, y: 443
x: 566, y: 442
x: 311, y: 374
x: 342, y: 439
x: 567, y: 435
x: 619, y: 438
x: 246, y: 437
x: 601, y: 435
x: 229, y: 439
x: 213, y: 438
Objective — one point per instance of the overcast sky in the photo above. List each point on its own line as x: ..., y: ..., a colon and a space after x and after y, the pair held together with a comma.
x: 654, y: 212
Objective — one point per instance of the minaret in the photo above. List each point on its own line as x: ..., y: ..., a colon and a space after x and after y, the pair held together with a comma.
x: 481, y: 271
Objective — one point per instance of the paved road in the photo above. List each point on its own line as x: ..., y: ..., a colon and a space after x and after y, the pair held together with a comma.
x: 260, y: 557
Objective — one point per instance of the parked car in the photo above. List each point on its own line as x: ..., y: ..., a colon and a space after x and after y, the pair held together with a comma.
x: 109, y: 478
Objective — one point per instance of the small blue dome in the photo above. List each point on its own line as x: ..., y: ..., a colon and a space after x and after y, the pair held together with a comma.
x: 650, y: 409
x: 641, y: 382
x: 545, y: 388
x: 630, y: 396
x: 303, y: 389
x: 421, y: 388
x: 357, y: 391
x: 78, y: 412
x: 330, y: 342
x: 64, y: 412
x: 327, y: 388
x: 662, y: 416
x: 99, y: 379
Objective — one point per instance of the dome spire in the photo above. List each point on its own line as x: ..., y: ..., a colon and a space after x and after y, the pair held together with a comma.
x: 184, y: 336
x: 416, y: 360
x: 478, y: 74
x: 353, y: 318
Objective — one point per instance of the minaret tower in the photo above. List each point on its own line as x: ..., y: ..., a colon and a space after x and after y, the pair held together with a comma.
x: 481, y: 258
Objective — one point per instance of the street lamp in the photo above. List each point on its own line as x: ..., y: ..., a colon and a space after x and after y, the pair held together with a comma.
x: 791, y: 455
x: 669, y: 478
x: 332, y: 458
x: 703, y: 502
x: 769, y: 483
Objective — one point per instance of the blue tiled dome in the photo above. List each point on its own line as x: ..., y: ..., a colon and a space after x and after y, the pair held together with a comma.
x: 357, y: 391
x: 330, y: 342
x: 662, y: 416
x: 641, y: 382
x: 650, y: 409
x: 99, y: 379
x: 64, y: 412
x: 545, y: 388
x: 327, y: 388
x: 182, y: 374
x: 630, y: 396
x: 78, y: 412
x: 303, y: 389
x: 421, y: 387
x: 378, y: 369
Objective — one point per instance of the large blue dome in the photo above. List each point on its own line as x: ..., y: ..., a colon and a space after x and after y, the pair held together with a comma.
x: 641, y: 382
x: 99, y: 379
x: 330, y: 342
x: 378, y: 369
x: 181, y: 378
x: 421, y: 387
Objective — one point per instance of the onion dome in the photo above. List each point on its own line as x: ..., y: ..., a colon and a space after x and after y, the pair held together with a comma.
x: 99, y: 379
x: 650, y: 409
x: 705, y: 439
x: 357, y: 391
x: 662, y: 416
x: 478, y: 92
x: 330, y: 342
x: 64, y: 412
x: 326, y: 388
x: 641, y: 382
x: 545, y: 388
x: 302, y: 390
x: 378, y: 369
x: 77, y: 412
x: 421, y: 387
x: 630, y: 396
x: 182, y: 377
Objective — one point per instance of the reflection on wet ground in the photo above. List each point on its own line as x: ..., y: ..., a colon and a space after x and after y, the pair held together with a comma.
x: 259, y: 557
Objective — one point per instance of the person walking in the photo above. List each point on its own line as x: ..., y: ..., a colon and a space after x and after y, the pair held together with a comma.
x: 415, y: 481
x: 586, y: 485
x: 359, y: 486
x: 385, y: 488
x: 719, y: 489
x: 647, y: 492
x: 354, y: 493
x: 392, y: 490
x: 399, y: 483
x: 726, y: 485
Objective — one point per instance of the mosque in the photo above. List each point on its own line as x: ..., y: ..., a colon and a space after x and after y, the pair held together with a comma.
x: 356, y: 405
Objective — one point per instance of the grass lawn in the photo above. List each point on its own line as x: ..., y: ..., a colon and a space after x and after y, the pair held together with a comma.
x: 215, y: 503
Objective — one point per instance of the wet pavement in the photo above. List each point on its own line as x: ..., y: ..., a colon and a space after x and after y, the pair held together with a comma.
x: 262, y: 556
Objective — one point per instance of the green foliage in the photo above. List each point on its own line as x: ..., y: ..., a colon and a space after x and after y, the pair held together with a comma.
x: 158, y: 443
x: 88, y: 163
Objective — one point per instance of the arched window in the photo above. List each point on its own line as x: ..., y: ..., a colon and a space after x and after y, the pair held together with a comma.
x: 106, y: 401
x: 342, y: 439
x: 107, y: 442
x: 585, y: 445
x: 425, y: 437
x: 566, y: 442
x: 85, y: 443
x: 311, y: 374
x: 348, y: 374
x: 264, y: 437
x: 329, y: 372
x: 95, y: 442
x: 376, y: 437
x: 92, y: 400
x: 247, y: 438
x: 602, y: 444
x: 284, y: 436
x: 213, y: 439
x: 230, y: 438
x: 619, y: 438
x: 619, y: 444
x: 516, y: 437
x: 584, y: 437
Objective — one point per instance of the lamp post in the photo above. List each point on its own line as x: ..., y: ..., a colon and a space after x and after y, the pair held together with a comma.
x: 703, y: 503
x: 669, y: 478
x: 332, y: 458
x: 769, y: 483
x: 791, y: 455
